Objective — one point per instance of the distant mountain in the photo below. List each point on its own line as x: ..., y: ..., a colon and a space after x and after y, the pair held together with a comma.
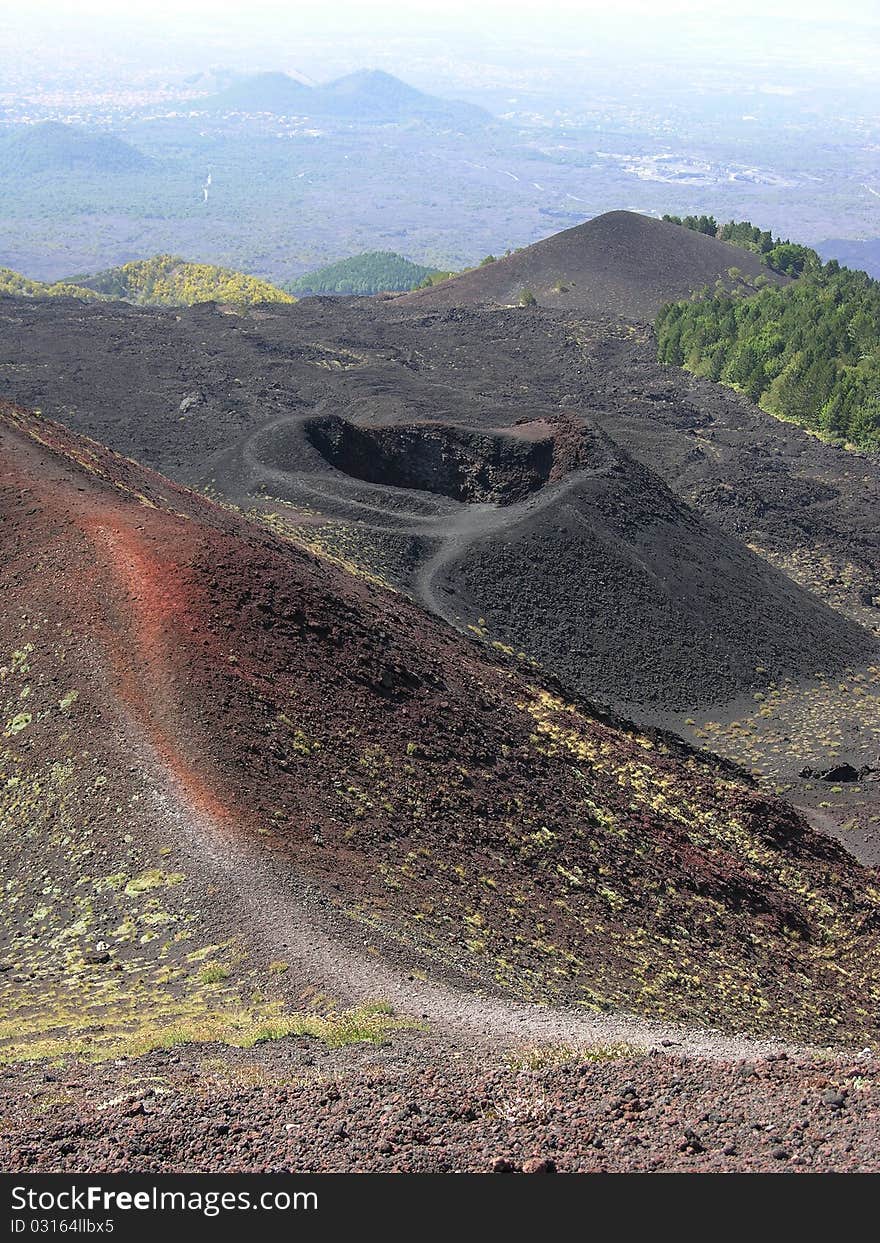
x: 377, y: 271
x: 620, y: 263
x: 863, y: 255
x: 264, y: 92
x: 167, y: 280
x: 368, y: 95
x: 51, y: 147
x: 371, y: 94
x: 213, y: 80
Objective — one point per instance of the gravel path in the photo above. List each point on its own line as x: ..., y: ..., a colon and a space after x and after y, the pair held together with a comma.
x: 286, y: 915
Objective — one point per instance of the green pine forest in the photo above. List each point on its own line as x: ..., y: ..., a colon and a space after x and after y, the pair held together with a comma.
x: 377, y: 271
x: 807, y: 351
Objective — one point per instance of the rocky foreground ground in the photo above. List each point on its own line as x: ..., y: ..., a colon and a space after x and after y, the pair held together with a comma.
x: 293, y: 1107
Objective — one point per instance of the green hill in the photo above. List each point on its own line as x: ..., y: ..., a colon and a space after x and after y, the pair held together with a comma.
x: 167, y: 280
x: 164, y: 280
x: 50, y: 148
x: 376, y: 271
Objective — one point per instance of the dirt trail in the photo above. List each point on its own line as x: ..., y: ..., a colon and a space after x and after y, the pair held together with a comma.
x: 158, y: 601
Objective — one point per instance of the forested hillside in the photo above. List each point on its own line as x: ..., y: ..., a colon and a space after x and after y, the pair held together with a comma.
x: 376, y: 271
x: 53, y: 149
x: 161, y: 281
x: 167, y: 280
x: 14, y: 285
x: 808, y: 351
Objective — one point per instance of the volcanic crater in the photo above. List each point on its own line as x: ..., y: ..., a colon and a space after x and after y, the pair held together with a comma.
x: 474, y: 467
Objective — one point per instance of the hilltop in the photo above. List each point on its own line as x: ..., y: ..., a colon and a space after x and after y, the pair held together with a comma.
x: 371, y: 94
x: 14, y: 285
x: 50, y: 147
x: 376, y: 271
x: 620, y: 263
x: 263, y: 92
x: 167, y: 280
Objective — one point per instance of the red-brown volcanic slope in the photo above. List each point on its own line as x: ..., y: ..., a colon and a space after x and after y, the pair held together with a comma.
x: 619, y: 263
x: 456, y: 808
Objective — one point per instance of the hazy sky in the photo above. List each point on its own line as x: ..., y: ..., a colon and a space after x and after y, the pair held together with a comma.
x: 420, y: 13
x: 414, y: 17
x: 437, y: 41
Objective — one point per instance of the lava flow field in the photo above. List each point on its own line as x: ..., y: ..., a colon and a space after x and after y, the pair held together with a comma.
x: 683, y: 557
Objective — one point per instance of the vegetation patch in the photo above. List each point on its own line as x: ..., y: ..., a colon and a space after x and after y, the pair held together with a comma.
x: 808, y: 352
x: 165, y: 280
x: 546, y: 1057
x: 376, y: 271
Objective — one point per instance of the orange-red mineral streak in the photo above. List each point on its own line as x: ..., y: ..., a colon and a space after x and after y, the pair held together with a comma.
x: 153, y: 589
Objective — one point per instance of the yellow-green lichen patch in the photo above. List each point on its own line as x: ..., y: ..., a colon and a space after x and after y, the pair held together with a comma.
x: 104, y: 950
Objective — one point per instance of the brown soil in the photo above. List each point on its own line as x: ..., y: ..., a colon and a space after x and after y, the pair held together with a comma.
x: 298, y: 1109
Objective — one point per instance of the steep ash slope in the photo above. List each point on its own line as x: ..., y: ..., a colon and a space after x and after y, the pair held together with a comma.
x: 462, y: 812
x: 631, y: 595
x: 620, y: 263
